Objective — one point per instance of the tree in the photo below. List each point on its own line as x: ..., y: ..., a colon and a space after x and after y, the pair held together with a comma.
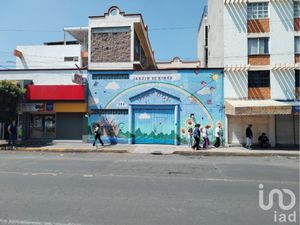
x: 10, y: 95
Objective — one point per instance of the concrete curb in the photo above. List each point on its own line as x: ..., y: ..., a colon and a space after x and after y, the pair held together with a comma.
x: 185, y: 153
x: 262, y: 154
x: 65, y: 150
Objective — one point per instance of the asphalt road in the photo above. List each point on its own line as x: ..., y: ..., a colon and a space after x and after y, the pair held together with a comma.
x: 141, y: 189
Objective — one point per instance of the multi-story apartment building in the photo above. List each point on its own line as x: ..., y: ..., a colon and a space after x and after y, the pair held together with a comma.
x: 258, y: 44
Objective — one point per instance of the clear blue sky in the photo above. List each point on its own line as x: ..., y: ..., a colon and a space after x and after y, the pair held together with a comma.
x: 173, y: 24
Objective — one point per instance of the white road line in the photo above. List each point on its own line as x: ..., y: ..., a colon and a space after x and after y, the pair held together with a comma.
x: 88, y: 175
x: 51, y: 174
x: 24, y: 222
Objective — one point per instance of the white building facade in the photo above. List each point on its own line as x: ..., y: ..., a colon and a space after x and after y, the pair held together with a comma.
x: 257, y: 43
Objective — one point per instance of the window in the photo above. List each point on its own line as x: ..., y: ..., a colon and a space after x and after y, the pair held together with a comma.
x: 258, y: 10
x: 71, y: 59
x: 296, y: 9
x: 110, y: 30
x: 258, y: 46
x: 110, y: 76
x: 297, y: 45
x: 297, y: 78
x: 258, y: 79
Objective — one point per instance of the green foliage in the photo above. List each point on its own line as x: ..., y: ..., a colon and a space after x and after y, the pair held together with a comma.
x: 10, y: 96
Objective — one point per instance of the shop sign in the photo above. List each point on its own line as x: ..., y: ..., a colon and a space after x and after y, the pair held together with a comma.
x: 38, y: 107
x: 263, y: 110
x: 155, y: 76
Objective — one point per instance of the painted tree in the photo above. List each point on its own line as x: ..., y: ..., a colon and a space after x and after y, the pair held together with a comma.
x: 10, y: 95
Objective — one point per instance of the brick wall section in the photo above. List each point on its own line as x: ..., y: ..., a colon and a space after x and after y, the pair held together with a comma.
x: 297, y: 24
x: 297, y: 58
x: 297, y: 93
x: 110, y: 47
x: 259, y: 93
x: 258, y: 26
x: 259, y: 60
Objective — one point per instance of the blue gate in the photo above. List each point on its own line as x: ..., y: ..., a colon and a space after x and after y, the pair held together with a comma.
x: 154, y: 126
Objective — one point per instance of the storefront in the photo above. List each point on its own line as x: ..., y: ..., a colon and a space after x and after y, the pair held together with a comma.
x: 154, y: 107
x: 272, y: 117
x: 54, y: 112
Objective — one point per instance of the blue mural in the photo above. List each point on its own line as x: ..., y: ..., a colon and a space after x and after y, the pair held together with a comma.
x: 154, y: 106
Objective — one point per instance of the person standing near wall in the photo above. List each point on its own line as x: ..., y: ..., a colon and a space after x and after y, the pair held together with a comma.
x: 218, y: 135
x: 12, y: 132
x: 249, y: 136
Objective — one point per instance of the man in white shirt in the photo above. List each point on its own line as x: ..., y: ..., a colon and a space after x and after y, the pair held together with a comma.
x: 217, y: 135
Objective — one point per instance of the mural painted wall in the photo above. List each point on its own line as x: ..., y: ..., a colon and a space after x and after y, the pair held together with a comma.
x: 154, y: 106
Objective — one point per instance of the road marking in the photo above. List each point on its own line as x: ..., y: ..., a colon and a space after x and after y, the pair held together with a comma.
x: 51, y: 174
x: 88, y: 175
x: 24, y: 222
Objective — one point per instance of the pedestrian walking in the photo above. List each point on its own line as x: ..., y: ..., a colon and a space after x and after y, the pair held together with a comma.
x: 249, y: 136
x: 218, y: 135
x: 12, y: 135
x: 205, y: 136
x: 196, y: 135
x: 97, y: 132
x: 190, y: 137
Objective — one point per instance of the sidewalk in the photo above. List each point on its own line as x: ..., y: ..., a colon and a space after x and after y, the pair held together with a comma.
x: 79, y: 147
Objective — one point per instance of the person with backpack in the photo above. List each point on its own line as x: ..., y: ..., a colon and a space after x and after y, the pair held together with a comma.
x: 12, y: 134
x: 97, y: 132
x: 196, y: 135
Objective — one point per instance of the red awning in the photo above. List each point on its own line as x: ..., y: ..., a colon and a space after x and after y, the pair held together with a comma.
x: 55, y: 92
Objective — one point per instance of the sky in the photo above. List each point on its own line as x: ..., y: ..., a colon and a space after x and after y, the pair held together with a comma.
x: 173, y: 24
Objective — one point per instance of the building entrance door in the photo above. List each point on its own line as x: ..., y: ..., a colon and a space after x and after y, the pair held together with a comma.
x: 154, y: 126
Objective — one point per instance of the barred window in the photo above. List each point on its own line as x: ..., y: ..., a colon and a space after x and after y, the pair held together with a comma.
x: 258, y: 10
x: 296, y: 9
x: 111, y: 111
x: 258, y: 79
x: 110, y: 76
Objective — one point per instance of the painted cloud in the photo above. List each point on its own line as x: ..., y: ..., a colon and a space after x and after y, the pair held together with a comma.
x: 112, y: 86
x: 204, y: 91
x: 144, y: 116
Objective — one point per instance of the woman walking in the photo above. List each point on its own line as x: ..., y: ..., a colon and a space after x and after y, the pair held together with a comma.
x: 97, y: 132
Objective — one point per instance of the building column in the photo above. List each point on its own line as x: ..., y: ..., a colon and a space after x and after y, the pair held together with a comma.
x: 130, y: 124
x: 226, y: 130
x: 176, y: 115
x: 272, y: 130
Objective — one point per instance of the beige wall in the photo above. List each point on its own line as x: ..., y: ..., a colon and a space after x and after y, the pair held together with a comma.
x: 237, y: 128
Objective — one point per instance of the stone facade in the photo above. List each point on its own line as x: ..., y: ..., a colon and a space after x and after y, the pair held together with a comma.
x: 110, y: 47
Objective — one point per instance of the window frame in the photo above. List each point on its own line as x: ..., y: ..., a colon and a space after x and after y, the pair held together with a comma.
x: 259, y: 79
x: 297, y: 78
x: 258, y: 10
x: 123, y: 76
x: 297, y: 40
x: 258, y: 45
x: 296, y: 9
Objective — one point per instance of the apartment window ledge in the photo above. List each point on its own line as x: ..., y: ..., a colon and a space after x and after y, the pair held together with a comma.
x: 259, y: 55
